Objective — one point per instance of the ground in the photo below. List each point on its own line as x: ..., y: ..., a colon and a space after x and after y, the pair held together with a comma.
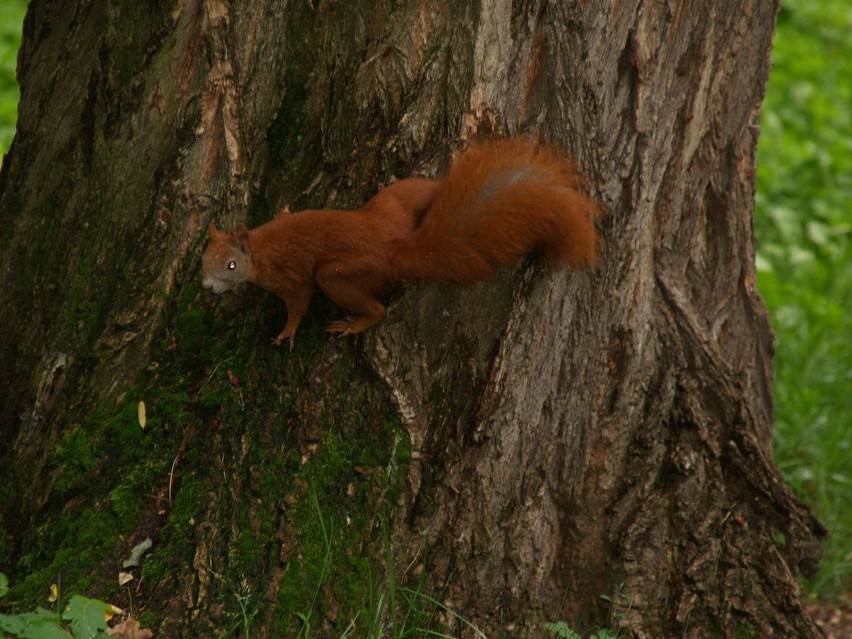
x: 834, y: 617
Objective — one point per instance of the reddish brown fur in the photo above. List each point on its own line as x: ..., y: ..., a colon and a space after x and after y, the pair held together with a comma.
x: 499, y: 201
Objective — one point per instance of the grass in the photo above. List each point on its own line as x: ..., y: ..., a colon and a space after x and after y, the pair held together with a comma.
x: 803, y: 225
x: 804, y: 201
x: 11, y: 18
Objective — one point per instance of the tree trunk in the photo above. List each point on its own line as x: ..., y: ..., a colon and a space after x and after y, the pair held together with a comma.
x: 517, y: 452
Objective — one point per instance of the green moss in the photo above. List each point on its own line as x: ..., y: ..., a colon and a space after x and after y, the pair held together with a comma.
x: 124, y: 430
x: 191, y: 342
x: 746, y: 631
x: 317, y: 487
x: 111, y: 460
x: 208, y: 398
x: 132, y: 21
x: 73, y: 456
x: 84, y: 310
x: 192, y: 330
x: 7, y: 495
x: 147, y: 619
x: 63, y: 551
x: 276, y: 472
x: 343, y: 493
x: 285, y: 133
x: 175, y: 546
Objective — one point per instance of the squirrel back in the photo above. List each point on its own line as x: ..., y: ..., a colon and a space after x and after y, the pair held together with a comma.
x: 498, y: 201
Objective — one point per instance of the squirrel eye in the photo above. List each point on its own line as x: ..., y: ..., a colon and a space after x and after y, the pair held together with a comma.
x: 232, y: 265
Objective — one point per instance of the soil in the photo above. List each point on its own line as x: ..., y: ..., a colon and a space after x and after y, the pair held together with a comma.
x: 833, y: 617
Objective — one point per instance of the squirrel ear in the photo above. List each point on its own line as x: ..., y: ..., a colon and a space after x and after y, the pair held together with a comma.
x: 241, y: 237
x: 212, y: 230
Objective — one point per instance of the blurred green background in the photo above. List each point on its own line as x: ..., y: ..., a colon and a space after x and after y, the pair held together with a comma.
x: 804, y: 258
x: 11, y: 21
x: 803, y: 224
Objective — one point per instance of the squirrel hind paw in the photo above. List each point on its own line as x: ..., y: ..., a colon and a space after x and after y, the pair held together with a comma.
x: 351, y: 326
x: 341, y: 328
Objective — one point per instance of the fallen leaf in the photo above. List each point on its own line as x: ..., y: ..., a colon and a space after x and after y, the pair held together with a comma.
x: 129, y: 629
x: 124, y: 577
x: 140, y: 413
x: 233, y: 380
x: 137, y: 552
x: 110, y: 611
x: 54, y: 593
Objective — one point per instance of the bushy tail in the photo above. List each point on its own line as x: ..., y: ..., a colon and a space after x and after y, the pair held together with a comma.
x: 499, y: 201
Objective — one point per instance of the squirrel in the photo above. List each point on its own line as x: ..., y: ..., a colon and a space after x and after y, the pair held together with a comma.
x: 499, y: 200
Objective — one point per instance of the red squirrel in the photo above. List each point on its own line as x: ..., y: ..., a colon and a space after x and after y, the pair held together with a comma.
x: 498, y: 201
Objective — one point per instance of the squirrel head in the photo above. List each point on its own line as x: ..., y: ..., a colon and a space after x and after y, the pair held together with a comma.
x: 227, y: 261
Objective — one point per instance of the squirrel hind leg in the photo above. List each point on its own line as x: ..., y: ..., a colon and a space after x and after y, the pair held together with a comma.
x: 353, y: 296
x: 352, y: 326
x: 371, y: 314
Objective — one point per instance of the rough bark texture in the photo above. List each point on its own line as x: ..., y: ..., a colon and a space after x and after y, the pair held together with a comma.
x: 528, y: 444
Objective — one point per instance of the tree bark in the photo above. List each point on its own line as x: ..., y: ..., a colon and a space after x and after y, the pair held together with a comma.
x: 523, y: 447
